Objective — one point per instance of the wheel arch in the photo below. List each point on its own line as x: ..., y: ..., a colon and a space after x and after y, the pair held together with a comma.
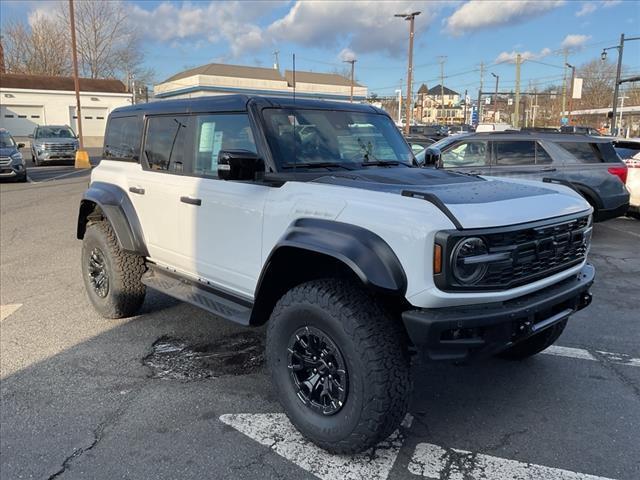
x: 315, y: 248
x: 113, y: 204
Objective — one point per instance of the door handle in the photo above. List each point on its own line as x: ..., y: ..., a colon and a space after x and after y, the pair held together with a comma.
x: 137, y: 190
x: 551, y: 169
x: 191, y: 200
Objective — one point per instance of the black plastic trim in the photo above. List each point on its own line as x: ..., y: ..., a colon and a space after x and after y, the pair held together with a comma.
x: 120, y: 212
x: 364, y: 252
x: 432, y: 198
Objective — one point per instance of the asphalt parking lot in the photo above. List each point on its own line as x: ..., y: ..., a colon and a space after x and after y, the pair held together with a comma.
x: 175, y: 393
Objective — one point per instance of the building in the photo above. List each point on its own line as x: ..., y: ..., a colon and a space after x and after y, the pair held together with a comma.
x: 221, y: 79
x: 434, y: 107
x: 30, y: 100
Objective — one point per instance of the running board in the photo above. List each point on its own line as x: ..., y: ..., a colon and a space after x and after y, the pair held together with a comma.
x: 208, y: 298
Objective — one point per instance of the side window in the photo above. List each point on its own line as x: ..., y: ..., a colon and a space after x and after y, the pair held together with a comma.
x: 213, y: 133
x: 542, y: 157
x: 467, y: 154
x: 166, y: 143
x: 122, y: 139
x: 582, y: 152
x: 515, y: 153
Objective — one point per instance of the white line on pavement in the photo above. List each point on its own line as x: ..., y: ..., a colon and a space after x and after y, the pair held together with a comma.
x: 434, y: 462
x: 581, y: 353
x: 6, y: 310
x: 276, y: 432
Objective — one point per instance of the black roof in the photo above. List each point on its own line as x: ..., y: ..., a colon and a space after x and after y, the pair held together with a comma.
x: 437, y: 90
x: 239, y: 103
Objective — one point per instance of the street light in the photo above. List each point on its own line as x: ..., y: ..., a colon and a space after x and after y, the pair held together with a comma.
x: 399, y: 92
x: 573, y: 79
x: 495, y: 97
x: 616, y: 90
x: 410, y: 17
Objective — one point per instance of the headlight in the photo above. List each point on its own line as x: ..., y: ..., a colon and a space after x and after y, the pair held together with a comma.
x: 465, y: 269
x: 16, y: 158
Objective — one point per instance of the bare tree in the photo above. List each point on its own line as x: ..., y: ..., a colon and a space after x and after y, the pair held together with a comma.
x: 41, y: 49
x: 598, y: 81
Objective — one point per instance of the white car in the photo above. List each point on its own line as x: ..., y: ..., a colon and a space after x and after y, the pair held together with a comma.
x: 312, y: 217
x: 629, y: 151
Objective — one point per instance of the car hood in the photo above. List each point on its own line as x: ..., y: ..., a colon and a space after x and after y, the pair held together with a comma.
x: 54, y: 140
x: 8, y: 151
x: 475, y: 202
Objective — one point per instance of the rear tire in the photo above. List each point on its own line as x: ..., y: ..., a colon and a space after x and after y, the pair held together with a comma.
x: 363, y: 341
x: 535, y: 344
x: 111, y: 276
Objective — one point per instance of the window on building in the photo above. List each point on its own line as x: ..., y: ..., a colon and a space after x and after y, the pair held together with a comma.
x: 515, y: 153
x: 220, y: 132
x: 165, y: 143
x: 466, y: 154
x: 122, y: 139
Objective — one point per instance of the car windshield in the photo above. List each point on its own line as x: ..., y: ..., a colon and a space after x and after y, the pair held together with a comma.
x: 326, y: 138
x: 54, y: 132
x: 6, y: 141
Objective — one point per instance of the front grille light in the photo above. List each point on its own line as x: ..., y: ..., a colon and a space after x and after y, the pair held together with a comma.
x: 463, y: 260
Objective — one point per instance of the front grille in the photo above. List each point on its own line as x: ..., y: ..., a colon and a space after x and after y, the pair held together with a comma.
x: 4, y: 161
x: 536, y: 252
x: 59, y: 147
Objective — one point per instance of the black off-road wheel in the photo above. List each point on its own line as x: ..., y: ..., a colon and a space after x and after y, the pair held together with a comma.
x: 339, y: 364
x: 535, y: 344
x: 111, y: 276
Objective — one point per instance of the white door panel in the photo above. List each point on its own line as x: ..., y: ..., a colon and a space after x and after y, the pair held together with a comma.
x: 226, y: 232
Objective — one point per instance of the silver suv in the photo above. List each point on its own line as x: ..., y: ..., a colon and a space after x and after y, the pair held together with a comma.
x: 53, y: 142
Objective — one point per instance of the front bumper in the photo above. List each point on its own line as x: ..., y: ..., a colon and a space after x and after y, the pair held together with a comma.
x: 12, y: 172
x: 49, y: 156
x: 460, y: 333
x: 603, y: 214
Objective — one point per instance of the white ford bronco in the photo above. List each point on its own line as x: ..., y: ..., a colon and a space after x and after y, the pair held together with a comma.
x: 312, y: 217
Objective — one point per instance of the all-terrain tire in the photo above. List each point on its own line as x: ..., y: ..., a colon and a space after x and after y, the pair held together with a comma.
x: 535, y: 344
x: 374, y: 348
x: 125, y: 291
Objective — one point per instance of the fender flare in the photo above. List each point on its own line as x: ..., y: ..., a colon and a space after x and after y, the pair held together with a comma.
x: 365, y: 253
x: 118, y: 210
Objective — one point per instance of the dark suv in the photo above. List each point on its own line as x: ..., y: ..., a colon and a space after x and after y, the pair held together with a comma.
x: 587, y: 164
x: 11, y: 162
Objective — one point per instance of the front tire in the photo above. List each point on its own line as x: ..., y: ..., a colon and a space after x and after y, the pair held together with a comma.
x: 535, y: 344
x: 340, y: 365
x: 111, y: 276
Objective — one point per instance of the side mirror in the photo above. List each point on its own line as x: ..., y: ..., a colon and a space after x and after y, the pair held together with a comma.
x: 239, y: 165
x: 20, y: 145
x: 432, y: 157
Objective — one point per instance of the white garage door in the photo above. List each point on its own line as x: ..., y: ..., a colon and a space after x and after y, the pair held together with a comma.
x: 21, y: 120
x: 94, y: 120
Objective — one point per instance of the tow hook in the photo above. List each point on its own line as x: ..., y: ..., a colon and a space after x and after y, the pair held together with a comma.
x: 585, y: 300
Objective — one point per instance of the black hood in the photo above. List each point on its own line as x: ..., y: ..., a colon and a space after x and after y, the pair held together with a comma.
x: 449, y: 187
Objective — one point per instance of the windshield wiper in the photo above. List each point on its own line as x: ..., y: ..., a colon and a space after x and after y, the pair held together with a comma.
x: 383, y: 163
x: 314, y: 165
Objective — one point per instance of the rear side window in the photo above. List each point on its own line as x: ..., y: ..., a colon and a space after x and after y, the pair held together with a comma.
x: 466, y: 154
x: 515, y: 153
x: 166, y: 143
x: 122, y: 140
x: 608, y: 153
x: 583, y: 152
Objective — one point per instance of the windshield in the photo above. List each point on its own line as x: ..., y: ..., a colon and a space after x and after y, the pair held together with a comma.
x: 54, y: 132
x: 6, y: 141
x: 327, y: 138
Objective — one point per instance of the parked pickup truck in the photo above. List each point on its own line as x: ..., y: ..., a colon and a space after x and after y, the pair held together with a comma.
x: 314, y: 218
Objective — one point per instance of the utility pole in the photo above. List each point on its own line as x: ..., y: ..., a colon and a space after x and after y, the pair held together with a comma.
x: 480, y: 92
x: 442, y: 60
x: 399, y: 92
x: 352, y: 62
x: 535, y: 106
x: 465, y: 107
x: 410, y: 17
x: 516, y: 109
x: 564, y: 85
x: 276, y: 64
x: 573, y: 79
x: 495, y: 99
x: 616, y: 89
x: 76, y: 80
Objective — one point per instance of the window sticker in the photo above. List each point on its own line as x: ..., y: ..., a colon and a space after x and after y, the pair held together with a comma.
x: 217, y: 145
x: 206, y: 136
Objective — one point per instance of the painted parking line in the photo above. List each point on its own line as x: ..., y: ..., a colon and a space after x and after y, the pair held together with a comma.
x: 599, y: 355
x: 6, y: 310
x: 435, y: 462
x: 66, y: 174
x: 274, y: 430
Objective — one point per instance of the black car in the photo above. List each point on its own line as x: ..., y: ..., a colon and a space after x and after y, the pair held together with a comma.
x: 12, y: 165
x: 579, y: 129
x: 434, y: 132
x: 418, y: 143
x: 587, y: 164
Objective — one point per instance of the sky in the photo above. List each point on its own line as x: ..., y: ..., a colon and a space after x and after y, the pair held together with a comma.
x: 323, y: 34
